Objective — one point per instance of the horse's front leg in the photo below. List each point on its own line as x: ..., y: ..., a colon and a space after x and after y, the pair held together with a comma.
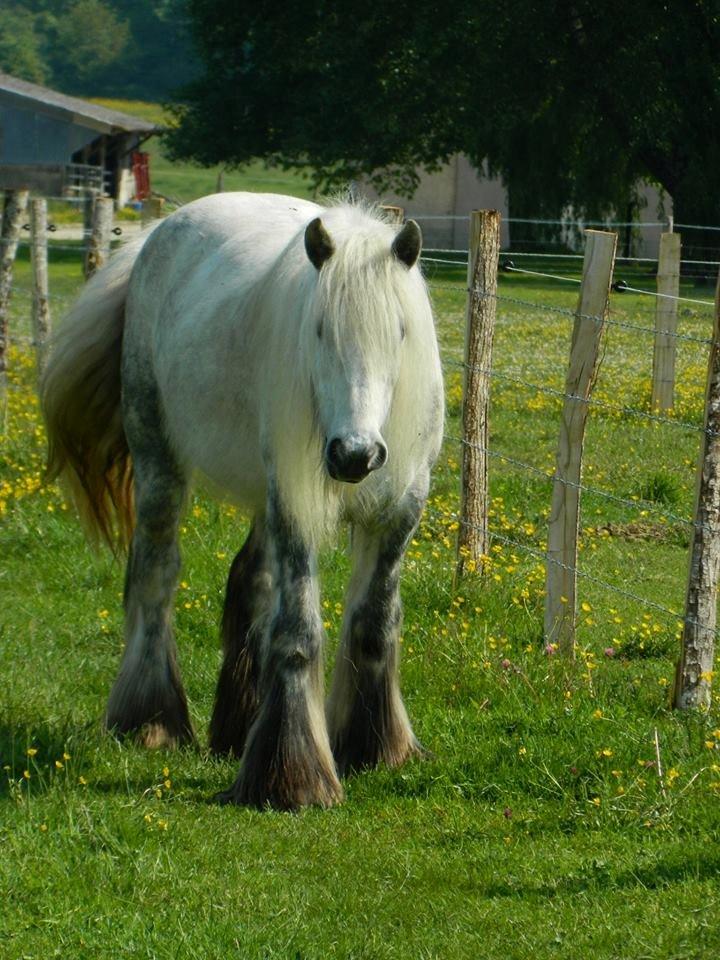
x: 366, y: 715
x: 287, y: 762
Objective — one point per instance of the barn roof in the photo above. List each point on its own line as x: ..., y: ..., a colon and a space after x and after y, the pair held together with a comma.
x: 34, y: 97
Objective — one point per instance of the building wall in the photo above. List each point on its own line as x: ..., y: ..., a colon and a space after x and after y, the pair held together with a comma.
x: 444, y: 199
x: 35, y: 146
x: 655, y: 205
x: 27, y: 136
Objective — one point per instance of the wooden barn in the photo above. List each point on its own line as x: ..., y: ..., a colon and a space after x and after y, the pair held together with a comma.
x: 56, y: 145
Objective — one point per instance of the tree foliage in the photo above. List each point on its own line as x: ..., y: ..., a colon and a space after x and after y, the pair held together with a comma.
x: 120, y: 48
x: 571, y: 101
x: 19, y: 46
x: 91, y: 37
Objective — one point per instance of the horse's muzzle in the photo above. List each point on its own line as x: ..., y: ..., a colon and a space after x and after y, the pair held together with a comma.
x: 350, y: 462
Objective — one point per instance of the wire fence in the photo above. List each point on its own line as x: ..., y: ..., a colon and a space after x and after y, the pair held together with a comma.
x: 523, y: 386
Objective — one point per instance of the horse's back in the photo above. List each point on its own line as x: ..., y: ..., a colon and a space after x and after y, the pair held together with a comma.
x: 189, y: 335
x: 219, y: 229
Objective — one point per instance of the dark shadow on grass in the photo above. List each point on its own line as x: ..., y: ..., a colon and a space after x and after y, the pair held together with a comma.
x: 51, y: 749
x: 37, y: 746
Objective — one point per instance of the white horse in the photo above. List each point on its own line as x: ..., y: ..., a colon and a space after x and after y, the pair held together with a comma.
x: 287, y: 352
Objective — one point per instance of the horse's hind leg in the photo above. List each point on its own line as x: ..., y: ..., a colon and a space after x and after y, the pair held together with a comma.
x: 366, y: 715
x: 247, y: 602
x: 147, y: 697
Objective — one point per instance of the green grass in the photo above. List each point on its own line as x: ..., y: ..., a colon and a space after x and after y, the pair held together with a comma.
x: 540, y: 827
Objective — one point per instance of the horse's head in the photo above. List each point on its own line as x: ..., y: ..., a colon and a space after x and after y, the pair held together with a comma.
x: 360, y: 325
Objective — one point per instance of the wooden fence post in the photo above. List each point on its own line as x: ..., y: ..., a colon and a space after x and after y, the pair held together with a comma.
x: 561, y: 563
x: 694, y: 670
x: 98, y: 249
x: 394, y: 214
x: 88, y: 211
x: 668, y: 287
x: 473, y: 540
x: 39, y: 262
x: 14, y: 208
x: 152, y: 209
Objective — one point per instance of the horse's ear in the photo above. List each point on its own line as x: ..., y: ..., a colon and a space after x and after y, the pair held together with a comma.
x: 318, y: 244
x: 408, y: 244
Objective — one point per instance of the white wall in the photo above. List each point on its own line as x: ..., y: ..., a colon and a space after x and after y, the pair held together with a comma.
x: 444, y: 199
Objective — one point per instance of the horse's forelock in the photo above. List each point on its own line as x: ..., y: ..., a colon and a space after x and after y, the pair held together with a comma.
x: 363, y: 294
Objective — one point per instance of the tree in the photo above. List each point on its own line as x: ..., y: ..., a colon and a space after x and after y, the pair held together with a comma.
x: 116, y: 48
x: 89, y: 36
x: 159, y: 56
x: 20, y: 46
x: 571, y: 101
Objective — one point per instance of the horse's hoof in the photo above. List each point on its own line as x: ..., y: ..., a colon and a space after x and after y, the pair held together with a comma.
x: 156, y: 736
x: 351, y: 761
x: 326, y: 793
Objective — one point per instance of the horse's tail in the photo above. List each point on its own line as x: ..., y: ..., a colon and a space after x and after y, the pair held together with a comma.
x: 80, y: 399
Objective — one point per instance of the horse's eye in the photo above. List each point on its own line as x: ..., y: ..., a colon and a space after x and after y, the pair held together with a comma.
x: 319, y: 330
x: 402, y: 331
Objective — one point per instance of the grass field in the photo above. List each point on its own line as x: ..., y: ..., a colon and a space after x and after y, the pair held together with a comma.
x: 541, y: 827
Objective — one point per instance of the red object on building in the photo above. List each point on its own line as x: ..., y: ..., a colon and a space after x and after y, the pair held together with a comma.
x: 141, y: 173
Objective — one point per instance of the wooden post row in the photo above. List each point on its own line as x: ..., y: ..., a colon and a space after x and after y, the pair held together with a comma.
x: 98, y: 248
x: 697, y: 651
x: 14, y: 207
x: 562, y: 549
x: 40, y: 295
x: 668, y: 287
x: 473, y: 537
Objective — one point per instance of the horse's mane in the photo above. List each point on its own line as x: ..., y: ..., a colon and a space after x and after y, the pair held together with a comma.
x: 360, y: 284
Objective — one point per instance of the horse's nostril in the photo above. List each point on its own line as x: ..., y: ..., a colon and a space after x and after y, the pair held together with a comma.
x: 379, y: 457
x: 334, y: 449
x: 352, y: 462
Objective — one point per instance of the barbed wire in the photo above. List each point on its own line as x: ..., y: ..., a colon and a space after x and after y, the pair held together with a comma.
x: 576, y: 224
x: 564, y: 311
x: 695, y: 226
x: 591, y: 401
x: 454, y: 263
x: 463, y: 251
x: 666, y: 296
x: 638, y: 504
x: 25, y: 341
x: 52, y: 246
x: 546, y: 558
x: 509, y: 268
x: 28, y: 295
x: 543, y: 555
x: 536, y: 273
x: 604, y: 584
x: 580, y: 224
